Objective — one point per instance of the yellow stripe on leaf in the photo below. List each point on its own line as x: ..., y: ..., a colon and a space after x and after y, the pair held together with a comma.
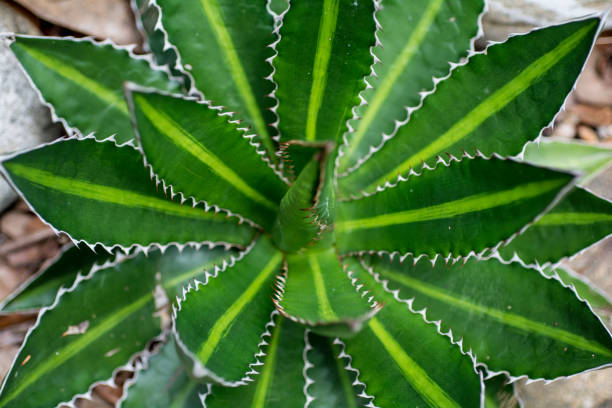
x: 413, y: 373
x: 384, y: 88
x: 213, y: 15
x: 93, y: 333
x: 327, y: 28
x: 264, y: 381
x: 110, y: 97
x: 347, y: 384
x: 185, y: 141
x: 105, y: 194
x: 504, y: 317
x: 466, y: 205
x: 559, y: 218
x: 493, y: 104
x: 217, y: 332
x: 325, y: 308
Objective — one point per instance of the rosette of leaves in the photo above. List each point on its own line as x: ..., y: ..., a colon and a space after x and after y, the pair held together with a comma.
x: 332, y: 195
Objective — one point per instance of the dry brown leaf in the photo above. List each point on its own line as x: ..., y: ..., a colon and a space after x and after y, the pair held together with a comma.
x: 592, y: 87
x: 99, y: 18
x: 15, y: 223
x: 587, y: 134
x: 592, y: 115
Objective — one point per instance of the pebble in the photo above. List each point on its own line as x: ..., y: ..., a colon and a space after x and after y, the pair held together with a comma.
x: 24, y: 121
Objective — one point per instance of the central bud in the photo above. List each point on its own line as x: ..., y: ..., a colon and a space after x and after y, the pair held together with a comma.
x: 306, y: 215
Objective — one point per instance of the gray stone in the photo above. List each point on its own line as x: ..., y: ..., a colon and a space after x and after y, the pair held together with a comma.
x: 519, y: 16
x: 24, y: 121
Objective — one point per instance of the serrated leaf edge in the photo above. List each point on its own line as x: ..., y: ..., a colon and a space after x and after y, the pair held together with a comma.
x: 307, y: 365
x: 157, y: 179
x: 178, y: 66
x: 24, y: 285
x: 263, y: 344
x: 353, y: 323
x: 362, y: 100
x: 409, y: 110
x: 490, y: 373
x: 516, y: 257
x: 139, y: 366
x: 130, y: 366
x: 109, y: 248
x: 437, y: 324
x: 145, y: 36
x: 570, y: 271
x: 118, y: 259
x: 278, y: 23
x: 199, y: 95
x: 251, y: 138
x: 198, y: 370
x: 349, y: 367
x: 486, y: 251
x: 9, y: 38
x: 466, y: 61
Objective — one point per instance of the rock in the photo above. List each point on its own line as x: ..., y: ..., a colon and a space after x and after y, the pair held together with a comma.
x: 594, y: 85
x: 24, y: 121
x: 519, y: 16
x: 587, y: 390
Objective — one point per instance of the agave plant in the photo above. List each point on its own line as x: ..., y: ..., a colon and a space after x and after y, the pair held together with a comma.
x: 332, y: 191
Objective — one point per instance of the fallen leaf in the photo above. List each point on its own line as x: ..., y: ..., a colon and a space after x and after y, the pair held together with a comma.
x: 101, y: 19
x: 77, y: 329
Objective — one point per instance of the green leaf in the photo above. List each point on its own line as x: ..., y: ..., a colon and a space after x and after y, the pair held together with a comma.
x: 114, y: 327
x: 588, y: 159
x: 596, y: 297
x: 296, y: 154
x: 499, y: 393
x: 42, y: 288
x: 468, y: 206
x: 203, y: 155
x: 98, y: 184
x: 295, y: 227
x: 147, y: 15
x: 579, y: 220
x: 528, y: 76
x: 83, y: 81
x: 308, y: 211
x: 218, y: 324
x: 278, y: 6
x: 485, y: 303
x: 324, y: 209
x: 229, y: 60
x: 316, y: 291
x: 404, y: 362
x: 180, y: 266
x: 411, y: 55
x: 163, y: 383
x: 280, y: 383
x: 332, y: 386
x: 323, y: 56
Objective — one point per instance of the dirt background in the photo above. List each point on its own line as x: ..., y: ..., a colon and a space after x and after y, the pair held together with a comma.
x: 27, y: 244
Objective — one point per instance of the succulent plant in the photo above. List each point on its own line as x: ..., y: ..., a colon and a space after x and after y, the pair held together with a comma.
x: 332, y: 190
